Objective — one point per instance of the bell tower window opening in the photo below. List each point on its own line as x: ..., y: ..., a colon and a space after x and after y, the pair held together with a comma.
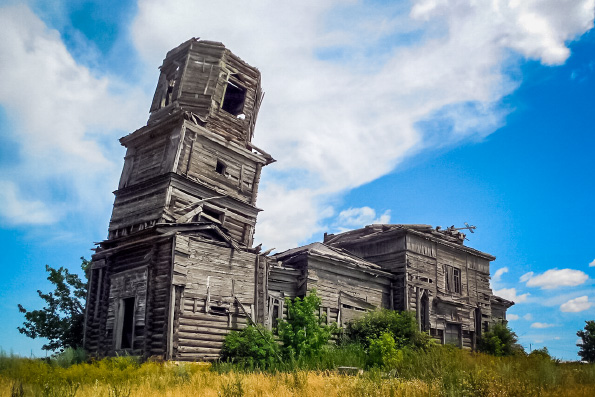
x: 220, y: 167
x: 233, y: 100
x: 209, y: 214
x: 167, y: 92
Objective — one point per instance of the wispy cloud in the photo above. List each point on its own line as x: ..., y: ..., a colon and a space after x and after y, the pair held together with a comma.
x: 554, y: 278
x: 498, y: 274
x: 17, y: 209
x: 358, y: 217
x: 389, y: 93
x: 576, y: 305
x: 344, y: 123
x: 60, y: 114
x: 512, y: 317
x: 592, y: 264
x: 511, y: 294
x: 542, y: 325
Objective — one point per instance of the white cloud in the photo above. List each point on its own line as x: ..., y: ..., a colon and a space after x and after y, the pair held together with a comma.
x: 498, y: 274
x: 512, y: 317
x: 337, y: 145
x: 18, y: 210
x: 576, y: 305
x: 555, y: 278
x: 59, y: 113
x: 387, y: 92
x: 592, y: 264
x: 528, y: 317
x: 542, y: 325
x: 359, y: 217
x: 510, y: 294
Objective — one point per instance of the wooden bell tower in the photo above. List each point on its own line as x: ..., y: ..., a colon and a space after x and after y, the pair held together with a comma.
x: 179, y: 249
x: 194, y: 160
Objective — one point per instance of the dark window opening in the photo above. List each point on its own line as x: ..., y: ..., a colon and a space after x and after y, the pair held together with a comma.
x: 233, y: 102
x: 359, y: 309
x: 220, y: 167
x: 168, y: 95
x: 208, y: 214
x: 218, y: 310
x: 478, y: 321
x: 127, y: 323
x: 211, y: 213
x: 275, y: 316
x: 425, y: 313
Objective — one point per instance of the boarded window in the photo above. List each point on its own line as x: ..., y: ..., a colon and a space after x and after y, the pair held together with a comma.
x: 452, y: 334
x: 453, y: 279
x: 233, y: 101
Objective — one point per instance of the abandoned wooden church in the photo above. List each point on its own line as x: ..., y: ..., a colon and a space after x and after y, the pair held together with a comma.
x: 179, y: 270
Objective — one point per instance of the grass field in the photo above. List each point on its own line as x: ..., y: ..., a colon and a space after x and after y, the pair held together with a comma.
x: 439, y: 372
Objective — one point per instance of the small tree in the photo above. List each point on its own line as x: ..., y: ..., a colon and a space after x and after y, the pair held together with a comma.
x: 61, y: 320
x: 587, y: 348
x: 499, y: 341
x: 303, y: 333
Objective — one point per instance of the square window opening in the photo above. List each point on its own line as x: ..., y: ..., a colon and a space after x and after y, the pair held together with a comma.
x: 233, y: 101
x: 220, y: 167
x: 209, y: 215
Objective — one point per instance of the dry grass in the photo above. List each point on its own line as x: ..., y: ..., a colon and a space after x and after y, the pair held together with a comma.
x: 443, y: 372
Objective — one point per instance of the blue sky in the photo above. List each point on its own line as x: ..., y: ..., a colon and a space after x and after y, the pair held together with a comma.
x: 423, y: 111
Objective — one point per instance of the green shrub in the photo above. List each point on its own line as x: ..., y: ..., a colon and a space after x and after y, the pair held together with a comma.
x: 303, y: 333
x: 402, y: 326
x: 383, y: 352
x: 252, y: 347
x: 499, y: 341
x: 70, y: 357
x: 542, y: 354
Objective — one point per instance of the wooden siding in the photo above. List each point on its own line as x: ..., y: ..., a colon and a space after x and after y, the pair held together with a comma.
x: 211, y: 279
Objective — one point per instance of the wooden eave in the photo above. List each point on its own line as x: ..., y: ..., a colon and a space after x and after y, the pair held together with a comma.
x: 175, y: 117
x: 175, y: 228
x: 130, y: 241
x: 158, y: 232
x: 463, y: 302
x: 501, y: 301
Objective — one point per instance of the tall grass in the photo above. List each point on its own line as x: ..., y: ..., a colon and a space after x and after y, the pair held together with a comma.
x: 439, y: 371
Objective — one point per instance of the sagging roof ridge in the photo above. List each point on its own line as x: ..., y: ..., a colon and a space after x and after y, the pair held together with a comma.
x: 323, y: 250
x: 426, y: 231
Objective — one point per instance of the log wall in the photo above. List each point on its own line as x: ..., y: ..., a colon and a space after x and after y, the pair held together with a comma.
x: 141, y: 271
x: 212, y: 280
